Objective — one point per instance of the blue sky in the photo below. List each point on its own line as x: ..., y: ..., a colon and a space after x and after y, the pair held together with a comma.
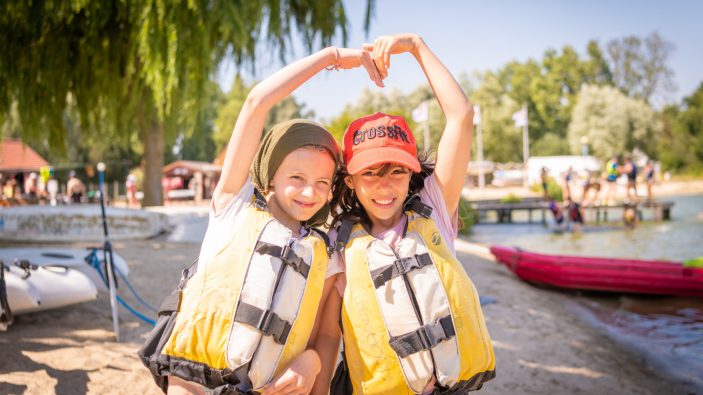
x: 474, y: 36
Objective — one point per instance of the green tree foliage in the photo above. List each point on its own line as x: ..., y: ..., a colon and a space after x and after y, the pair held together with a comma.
x: 680, y: 143
x: 394, y: 102
x: 195, y: 140
x: 612, y: 122
x: 132, y: 66
x: 502, y: 141
x: 639, y: 66
x: 229, y: 109
x: 548, y: 88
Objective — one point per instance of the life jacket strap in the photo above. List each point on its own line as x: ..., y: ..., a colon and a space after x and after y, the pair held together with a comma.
x: 171, y: 304
x: 424, y: 338
x: 286, y: 254
x: 259, y: 200
x: 343, y: 233
x: 399, y: 267
x: 266, y: 321
x: 415, y: 204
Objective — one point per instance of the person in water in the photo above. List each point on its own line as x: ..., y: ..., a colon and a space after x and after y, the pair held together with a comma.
x: 575, y: 215
x: 630, y: 215
x: 557, y: 212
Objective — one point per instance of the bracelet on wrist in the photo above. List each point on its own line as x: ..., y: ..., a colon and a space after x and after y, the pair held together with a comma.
x: 335, y: 66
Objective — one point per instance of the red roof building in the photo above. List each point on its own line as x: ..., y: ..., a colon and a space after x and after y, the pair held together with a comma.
x: 15, y: 156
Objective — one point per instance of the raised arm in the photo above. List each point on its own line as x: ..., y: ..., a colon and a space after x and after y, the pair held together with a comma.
x: 248, y: 129
x: 455, y: 145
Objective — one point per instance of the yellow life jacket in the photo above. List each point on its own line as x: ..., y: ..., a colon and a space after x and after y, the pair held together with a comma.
x: 243, y: 316
x: 611, y: 169
x: 410, y: 313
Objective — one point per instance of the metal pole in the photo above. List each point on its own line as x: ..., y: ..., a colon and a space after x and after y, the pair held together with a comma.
x: 107, y: 254
x: 479, y: 143
x: 525, y: 146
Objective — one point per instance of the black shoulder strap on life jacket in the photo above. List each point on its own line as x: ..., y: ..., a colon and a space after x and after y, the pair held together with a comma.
x: 328, y: 247
x: 343, y: 233
x: 172, y: 302
x: 415, y: 204
x: 259, y: 200
x: 5, y: 312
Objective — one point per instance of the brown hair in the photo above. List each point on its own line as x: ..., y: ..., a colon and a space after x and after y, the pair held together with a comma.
x: 346, y: 206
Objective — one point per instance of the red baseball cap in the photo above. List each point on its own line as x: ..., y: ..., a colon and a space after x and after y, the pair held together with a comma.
x: 379, y: 138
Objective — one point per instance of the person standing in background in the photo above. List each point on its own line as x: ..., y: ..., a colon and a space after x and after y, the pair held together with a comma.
x: 612, y: 172
x: 631, y: 171
x: 75, y: 189
x: 649, y: 176
x: 567, y: 183
x: 544, y: 177
x: 31, y: 187
x: 131, y: 187
x: 52, y: 188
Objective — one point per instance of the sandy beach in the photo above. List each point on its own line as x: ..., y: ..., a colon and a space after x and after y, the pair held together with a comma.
x: 541, y: 346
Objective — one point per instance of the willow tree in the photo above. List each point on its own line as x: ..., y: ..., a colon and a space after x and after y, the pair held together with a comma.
x: 132, y: 66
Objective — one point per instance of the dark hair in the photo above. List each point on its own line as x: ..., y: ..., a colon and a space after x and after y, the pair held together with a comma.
x: 345, y: 205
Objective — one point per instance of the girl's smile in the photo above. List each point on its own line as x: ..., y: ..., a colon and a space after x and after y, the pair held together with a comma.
x: 381, y: 190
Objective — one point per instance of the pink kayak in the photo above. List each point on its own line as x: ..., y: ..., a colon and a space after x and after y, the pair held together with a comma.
x: 603, y: 274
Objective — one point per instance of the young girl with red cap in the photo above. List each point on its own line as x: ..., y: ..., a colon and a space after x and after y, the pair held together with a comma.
x: 245, y: 317
x: 411, y: 319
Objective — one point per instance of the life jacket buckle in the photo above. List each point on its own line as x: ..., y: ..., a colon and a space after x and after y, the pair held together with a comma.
x: 270, y: 324
x: 265, y: 321
x: 415, y: 204
x: 297, y: 263
x: 405, y: 265
x: 424, y: 338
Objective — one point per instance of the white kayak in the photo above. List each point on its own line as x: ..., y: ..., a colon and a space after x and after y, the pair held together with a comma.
x: 72, y: 258
x: 46, y: 288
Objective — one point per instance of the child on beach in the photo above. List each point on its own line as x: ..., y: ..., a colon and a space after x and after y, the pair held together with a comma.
x: 612, y: 172
x: 245, y: 317
x: 404, y: 293
x: 649, y: 177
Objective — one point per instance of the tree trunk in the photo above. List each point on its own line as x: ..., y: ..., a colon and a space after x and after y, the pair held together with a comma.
x: 153, y: 139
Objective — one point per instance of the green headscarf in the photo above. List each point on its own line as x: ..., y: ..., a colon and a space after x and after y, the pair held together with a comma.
x: 280, y: 141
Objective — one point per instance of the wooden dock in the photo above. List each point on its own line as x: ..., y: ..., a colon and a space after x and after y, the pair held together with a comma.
x: 661, y: 211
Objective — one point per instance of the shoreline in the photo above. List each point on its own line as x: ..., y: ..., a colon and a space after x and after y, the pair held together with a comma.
x: 582, y: 308
x: 662, y: 189
x: 541, y: 346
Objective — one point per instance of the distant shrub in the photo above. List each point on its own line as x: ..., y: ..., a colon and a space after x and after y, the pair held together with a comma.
x: 511, y: 198
x: 468, y: 216
x: 553, y: 189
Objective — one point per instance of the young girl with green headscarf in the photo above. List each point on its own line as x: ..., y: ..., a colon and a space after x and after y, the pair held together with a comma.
x: 292, y: 170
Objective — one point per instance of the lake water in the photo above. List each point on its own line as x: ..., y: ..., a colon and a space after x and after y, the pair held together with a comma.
x: 667, y: 331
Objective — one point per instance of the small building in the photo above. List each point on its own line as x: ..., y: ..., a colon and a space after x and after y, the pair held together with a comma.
x: 189, y: 179
x: 558, y: 165
x: 17, y: 157
x: 17, y: 161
